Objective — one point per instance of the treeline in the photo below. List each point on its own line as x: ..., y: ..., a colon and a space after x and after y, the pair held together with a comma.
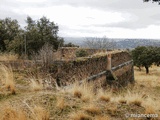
x: 31, y: 38
x: 145, y: 56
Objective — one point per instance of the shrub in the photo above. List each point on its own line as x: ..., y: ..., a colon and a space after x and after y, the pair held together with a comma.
x: 81, y: 53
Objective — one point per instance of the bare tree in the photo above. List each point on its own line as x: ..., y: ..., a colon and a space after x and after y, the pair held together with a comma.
x: 46, y: 54
x: 99, y: 43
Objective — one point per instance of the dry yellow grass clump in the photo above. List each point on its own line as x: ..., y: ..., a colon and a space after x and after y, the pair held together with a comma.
x: 7, y: 78
x: 35, y: 84
x: 8, y: 57
x: 61, y: 103
x: 102, y: 118
x: 83, y: 91
x: 10, y: 113
x: 40, y: 113
x: 79, y: 116
x: 134, y: 98
x: 92, y: 109
x: 104, y: 95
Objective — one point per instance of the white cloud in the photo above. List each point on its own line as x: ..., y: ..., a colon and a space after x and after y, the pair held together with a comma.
x: 72, y: 16
x: 150, y: 32
x: 30, y: 1
x: 116, y: 18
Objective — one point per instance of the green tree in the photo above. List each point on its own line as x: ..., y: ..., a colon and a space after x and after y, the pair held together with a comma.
x: 41, y: 32
x: 9, y: 29
x: 70, y: 45
x: 152, y: 1
x: 143, y: 56
x: 15, y: 46
x: 157, y: 55
x: 36, y: 34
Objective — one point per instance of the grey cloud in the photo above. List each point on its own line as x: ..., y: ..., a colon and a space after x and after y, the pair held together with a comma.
x: 142, y: 14
x: 156, y: 17
x: 104, y: 4
x: 143, y: 11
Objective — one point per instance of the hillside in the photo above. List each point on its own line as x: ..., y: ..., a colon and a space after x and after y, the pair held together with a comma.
x: 120, y: 43
x: 30, y: 100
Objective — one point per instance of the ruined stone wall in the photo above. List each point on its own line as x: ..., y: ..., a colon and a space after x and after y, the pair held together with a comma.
x: 83, y: 68
x: 70, y: 52
x: 67, y: 72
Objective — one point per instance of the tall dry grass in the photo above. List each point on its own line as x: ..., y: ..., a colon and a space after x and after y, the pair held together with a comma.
x: 60, y: 104
x: 36, y: 84
x: 40, y: 113
x: 7, y: 78
x: 8, y: 57
x: 104, y: 95
x: 149, y: 80
x: 10, y: 113
x: 84, y: 91
x: 80, y: 116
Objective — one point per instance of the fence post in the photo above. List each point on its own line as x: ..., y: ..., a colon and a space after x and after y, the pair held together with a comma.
x: 109, y: 62
x: 110, y: 77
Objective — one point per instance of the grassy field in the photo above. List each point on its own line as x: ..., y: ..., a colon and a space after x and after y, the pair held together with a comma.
x: 23, y: 97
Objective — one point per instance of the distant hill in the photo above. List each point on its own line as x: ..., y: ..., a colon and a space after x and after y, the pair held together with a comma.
x: 75, y: 40
x: 132, y: 43
x: 120, y: 43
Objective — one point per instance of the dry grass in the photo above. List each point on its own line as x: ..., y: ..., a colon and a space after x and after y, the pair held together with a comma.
x: 8, y: 57
x: 149, y: 86
x: 36, y: 85
x: 103, y: 53
x: 77, y: 93
x: 80, y: 102
x: 10, y: 113
x: 83, y: 91
x: 134, y: 98
x: 7, y: 78
x: 122, y: 101
x: 105, y: 98
x: 92, y: 109
x: 60, y: 103
x: 112, y: 110
x: 150, y: 80
x: 150, y: 106
x: 102, y: 118
x: 104, y: 95
x: 40, y: 113
x: 79, y: 116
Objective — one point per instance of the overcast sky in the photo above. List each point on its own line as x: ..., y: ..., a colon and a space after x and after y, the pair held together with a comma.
x: 90, y: 18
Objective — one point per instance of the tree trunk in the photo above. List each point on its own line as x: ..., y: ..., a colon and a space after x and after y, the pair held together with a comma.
x: 147, y: 69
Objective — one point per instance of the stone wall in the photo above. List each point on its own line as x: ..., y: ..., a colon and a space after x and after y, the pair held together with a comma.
x: 81, y: 68
x: 69, y: 53
x: 68, y: 71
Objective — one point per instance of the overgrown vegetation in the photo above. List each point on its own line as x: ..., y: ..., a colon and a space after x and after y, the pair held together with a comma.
x: 81, y: 53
